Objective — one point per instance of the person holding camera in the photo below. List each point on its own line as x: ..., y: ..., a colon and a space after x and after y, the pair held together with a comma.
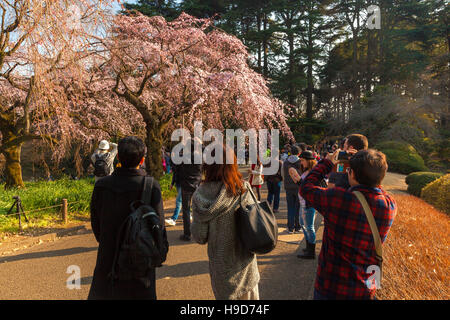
x: 348, y: 248
x: 352, y: 144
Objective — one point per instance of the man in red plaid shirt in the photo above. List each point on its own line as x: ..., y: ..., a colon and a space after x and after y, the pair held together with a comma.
x: 348, y: 247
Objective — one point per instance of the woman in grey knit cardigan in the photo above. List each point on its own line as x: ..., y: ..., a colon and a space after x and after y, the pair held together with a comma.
x: 233, y: 270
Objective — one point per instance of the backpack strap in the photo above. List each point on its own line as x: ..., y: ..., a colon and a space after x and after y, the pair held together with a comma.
x: 146, y: 196
x: 373, y: 226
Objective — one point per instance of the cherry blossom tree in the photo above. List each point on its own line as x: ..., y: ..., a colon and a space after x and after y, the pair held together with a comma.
x: 185, y: 68
x: 41, y: 42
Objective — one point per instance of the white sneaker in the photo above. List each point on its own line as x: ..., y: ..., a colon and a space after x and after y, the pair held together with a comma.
x: 191, y: 219
x: 170, y: 222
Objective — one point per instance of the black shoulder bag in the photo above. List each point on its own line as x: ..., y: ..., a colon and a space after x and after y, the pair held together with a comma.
x: 257, y: 226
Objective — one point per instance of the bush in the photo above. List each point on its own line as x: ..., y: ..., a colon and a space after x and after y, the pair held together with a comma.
x: 437, y: 193
x: 396, y: 145
x: 402, y: 157
x: 417, y: 180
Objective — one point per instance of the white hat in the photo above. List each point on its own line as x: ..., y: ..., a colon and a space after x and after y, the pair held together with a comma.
x: 104, y: 145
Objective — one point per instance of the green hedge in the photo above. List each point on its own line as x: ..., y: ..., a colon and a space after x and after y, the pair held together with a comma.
x: 437, y: 193
x: 402, y: 157
x: 417, y: 180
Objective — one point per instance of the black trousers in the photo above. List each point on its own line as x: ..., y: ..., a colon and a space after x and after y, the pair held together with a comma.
x: 186, y: 197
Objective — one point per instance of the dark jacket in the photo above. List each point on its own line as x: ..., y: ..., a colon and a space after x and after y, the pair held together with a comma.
x: 189, y: 175
x: 294, y: 162
x: 277, y: 177
x: 110, y: 205
x: 175, y: 173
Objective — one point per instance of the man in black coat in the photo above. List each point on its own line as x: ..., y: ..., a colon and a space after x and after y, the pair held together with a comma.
x: 110, y: 206
x: 189, y: 176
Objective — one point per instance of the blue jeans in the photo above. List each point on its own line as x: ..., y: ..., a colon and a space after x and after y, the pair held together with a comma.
x: 274, y: 189
x: 307, y: 216
x: 178, y: 204
x: 293, y: 204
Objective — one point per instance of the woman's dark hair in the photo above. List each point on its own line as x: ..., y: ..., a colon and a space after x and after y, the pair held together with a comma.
x: 130, y: 151
x: 227, y: 173
x: 369, y: 167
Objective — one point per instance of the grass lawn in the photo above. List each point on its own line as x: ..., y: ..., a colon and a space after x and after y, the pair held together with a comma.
x: 43, y: 194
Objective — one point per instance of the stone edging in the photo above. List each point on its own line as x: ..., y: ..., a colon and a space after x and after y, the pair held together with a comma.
x: 12, y: 247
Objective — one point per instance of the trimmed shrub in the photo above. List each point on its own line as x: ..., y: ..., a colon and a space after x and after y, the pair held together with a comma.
x: 396, y: 145
x: 402, y: 157
x: 437, y: 193
x: 417, y: 180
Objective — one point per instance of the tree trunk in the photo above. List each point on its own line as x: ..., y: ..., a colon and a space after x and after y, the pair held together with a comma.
x: 153, y: 160
x: 265, y: 48
x: 310, y: 88
x: 258, y: 24
x: 292, y: 89
x: 369, y: 61
x: 13, y: 169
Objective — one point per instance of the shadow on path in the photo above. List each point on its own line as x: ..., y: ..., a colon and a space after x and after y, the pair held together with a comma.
x: 181, y: 270
x: 48, y: 254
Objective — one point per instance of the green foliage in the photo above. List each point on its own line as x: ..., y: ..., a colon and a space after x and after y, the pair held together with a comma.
x: 396, y: 145
x: 417, y: 180
x: 401, y: 157
x: 49, y: 193
x: 437, y: 193
x: 165, y: 182
x: 165, y: 8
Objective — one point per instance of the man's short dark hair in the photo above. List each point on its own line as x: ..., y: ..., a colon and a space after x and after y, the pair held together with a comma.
x: 369, y: 167
x: 130, y: 151
x: 358, y: 141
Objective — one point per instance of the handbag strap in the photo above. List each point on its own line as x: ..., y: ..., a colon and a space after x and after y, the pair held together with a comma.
x: 372, y: 224
x: 253, y: 196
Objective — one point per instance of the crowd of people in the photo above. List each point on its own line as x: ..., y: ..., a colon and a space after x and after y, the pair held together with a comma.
x: 320, y: 179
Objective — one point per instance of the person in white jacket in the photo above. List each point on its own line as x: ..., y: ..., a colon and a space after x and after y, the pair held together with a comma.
x: 256, y: 178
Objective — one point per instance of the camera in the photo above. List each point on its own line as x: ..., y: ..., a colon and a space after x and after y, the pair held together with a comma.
x: 343, y: 156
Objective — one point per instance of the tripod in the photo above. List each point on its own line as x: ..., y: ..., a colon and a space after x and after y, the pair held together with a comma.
x: 19, y: 211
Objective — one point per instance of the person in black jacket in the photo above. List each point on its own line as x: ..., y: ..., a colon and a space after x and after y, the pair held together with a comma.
x: 110, y: 206
x: 291, y: 188
x: 274, y: 187
x: 189, y: 177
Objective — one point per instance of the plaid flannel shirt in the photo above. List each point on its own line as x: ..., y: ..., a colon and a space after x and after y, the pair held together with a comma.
x: 348, y: 248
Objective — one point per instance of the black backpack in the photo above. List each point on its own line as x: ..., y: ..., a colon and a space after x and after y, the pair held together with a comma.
x: 100, y: 165
x: 141, y: 243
